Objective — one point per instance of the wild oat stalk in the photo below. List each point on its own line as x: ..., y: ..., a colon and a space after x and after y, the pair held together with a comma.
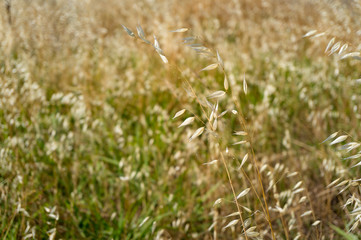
x: 212, y: 127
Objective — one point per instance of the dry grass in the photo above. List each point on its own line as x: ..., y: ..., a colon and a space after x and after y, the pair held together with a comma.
x: 104, y: 136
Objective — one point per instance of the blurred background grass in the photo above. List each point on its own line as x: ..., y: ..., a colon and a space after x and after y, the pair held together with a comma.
x: 85, y: 112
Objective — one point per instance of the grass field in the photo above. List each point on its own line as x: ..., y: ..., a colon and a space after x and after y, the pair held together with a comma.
x: 115, y: 126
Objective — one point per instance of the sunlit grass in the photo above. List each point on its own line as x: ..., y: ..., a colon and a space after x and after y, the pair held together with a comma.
x: 89, y: 148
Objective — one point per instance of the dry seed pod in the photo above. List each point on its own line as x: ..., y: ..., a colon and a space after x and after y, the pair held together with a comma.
x: 335, y: 48
x: 231, y: 223
x: 217, y: 94
x: 198, y: 132
x: 310, y: 33
x: 343, y: 48
x: 222, y: 114
x: 240, y: 142
x: 179, y: 113
x: 240, y: 133
x: 338, y: 140
x: 315, y: 223
x: 348, y: 55
x: 141, y: 34
x: 164, y: 59
x: 157, y: 46
x: 180, y: 30
x: 330, y: 137
x: 333, y: 183
x: 244, y: 84
x: 306, y: 213
x: 211, y: 162
x: 130, y: 33
x: 218, y: 201
x: 329, y: 44
x: 225, y: 83
x: 210, y: 67
x: 187, y: 122
x: 220, y: 61
x: 243, y: 193
x: 243, y: 160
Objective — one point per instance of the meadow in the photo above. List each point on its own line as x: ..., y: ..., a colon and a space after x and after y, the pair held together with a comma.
x: 180, y: 119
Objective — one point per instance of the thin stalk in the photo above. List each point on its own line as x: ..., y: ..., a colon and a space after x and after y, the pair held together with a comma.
x: 313, y: 212
x: 254, y: 189
x: 223, y: 160
x: 243, y: 124
x: 284, y: 226
x: 234, y: 194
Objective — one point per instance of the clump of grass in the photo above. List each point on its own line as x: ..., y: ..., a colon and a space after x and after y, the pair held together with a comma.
x: 212, y: 119
x: 352, y: 186
x: 90, y: 150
